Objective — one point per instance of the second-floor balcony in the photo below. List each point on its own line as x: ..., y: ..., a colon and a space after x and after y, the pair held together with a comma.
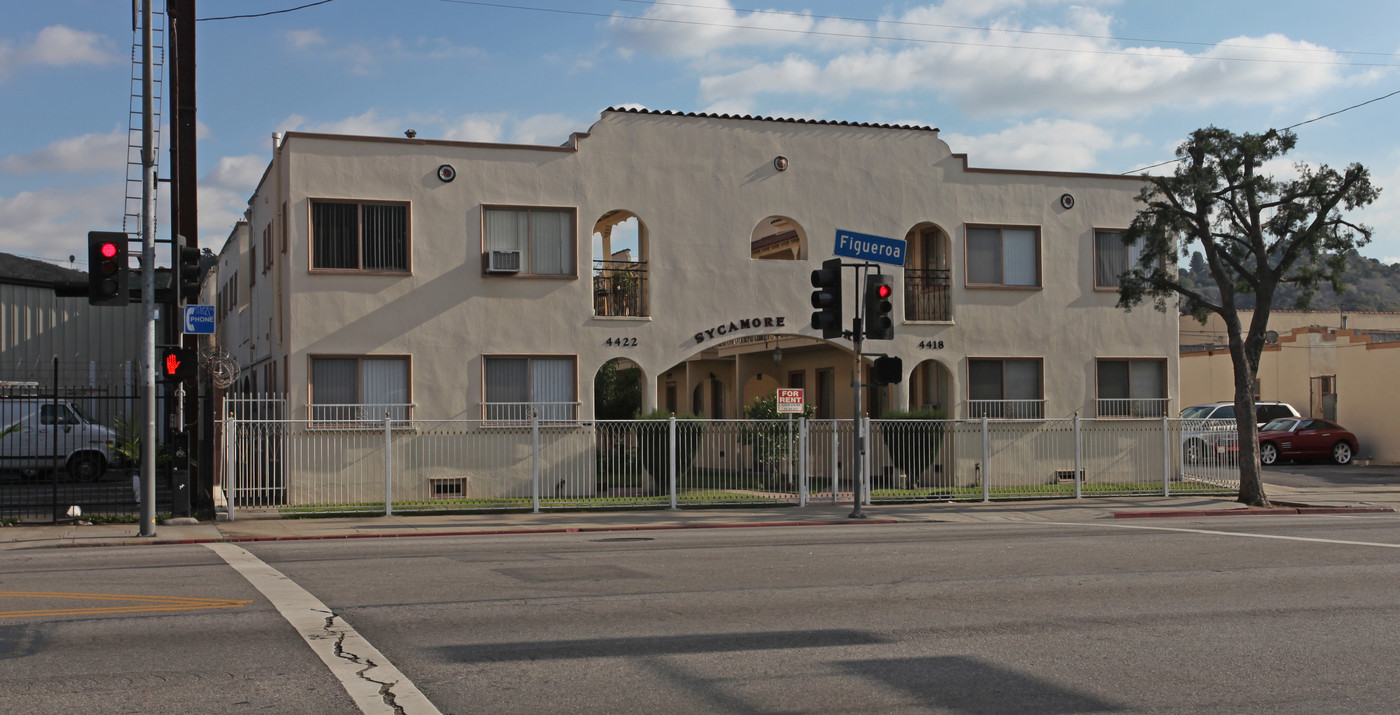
x: 927, y: 294
x: 620, y: 288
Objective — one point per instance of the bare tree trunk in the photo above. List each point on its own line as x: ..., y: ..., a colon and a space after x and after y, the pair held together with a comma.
x: 1251, y: 483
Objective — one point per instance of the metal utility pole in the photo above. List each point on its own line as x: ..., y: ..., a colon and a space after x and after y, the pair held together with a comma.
x: 148, y: 282
x: 184, y: 221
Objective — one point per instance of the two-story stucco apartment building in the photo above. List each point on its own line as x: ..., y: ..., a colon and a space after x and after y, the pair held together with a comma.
x: 440, y: 279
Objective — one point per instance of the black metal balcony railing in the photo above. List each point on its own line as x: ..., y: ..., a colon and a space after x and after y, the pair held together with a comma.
x: 926, y: 294
x: 620, y: 288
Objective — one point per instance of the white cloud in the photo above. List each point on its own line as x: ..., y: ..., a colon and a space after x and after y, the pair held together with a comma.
x: 367, y: 124
x: 704, y: 26
x: 53, y: 223
x: 1059, y: 145
x: 1002, y: 67
x: 370, y: 56
x: 476, y: 128
x: 305, y: 39
x: 1384, y: 214
x: 545, y: 129
x: 88, y: 153
x: 58, y: 46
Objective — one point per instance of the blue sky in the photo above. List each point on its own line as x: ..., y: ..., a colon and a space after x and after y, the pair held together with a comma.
x: 1026, y: 84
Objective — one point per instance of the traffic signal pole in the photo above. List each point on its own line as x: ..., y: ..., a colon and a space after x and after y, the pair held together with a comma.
x: 857, y: 334
x: 148, y: 283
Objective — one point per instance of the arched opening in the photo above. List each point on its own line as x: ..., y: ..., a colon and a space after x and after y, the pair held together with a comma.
x: 931, y: 388
x: 617, y: 390
x: 928, y: 274
x: 778, y: 238
x: 620, y: 250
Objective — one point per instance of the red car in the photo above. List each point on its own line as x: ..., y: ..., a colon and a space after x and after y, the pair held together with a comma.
x: 1305, y: 439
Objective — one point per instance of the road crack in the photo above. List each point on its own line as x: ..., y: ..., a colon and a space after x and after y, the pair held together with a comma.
x: 386, y: 689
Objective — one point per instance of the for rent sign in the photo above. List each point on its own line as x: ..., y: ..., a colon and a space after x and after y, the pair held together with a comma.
x: 790, y: 400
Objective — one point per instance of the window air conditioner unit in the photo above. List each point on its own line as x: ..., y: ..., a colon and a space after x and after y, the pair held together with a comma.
x: 503, y: 261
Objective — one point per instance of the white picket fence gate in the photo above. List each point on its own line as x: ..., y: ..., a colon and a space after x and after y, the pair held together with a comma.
x: 393, y: 466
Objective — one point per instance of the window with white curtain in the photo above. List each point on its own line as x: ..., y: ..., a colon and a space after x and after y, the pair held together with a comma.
x: 517, y: 386
x: 1002, y: 380
x: 545, y: 237
x: 1132, y: 388
x: 1112, y: 257
x: 347, y: 389
x: 1003, y: 256
x: 365, y: 236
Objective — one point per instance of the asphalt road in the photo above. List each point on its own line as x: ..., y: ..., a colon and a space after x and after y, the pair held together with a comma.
x: 1324, y: 474
x: 1241, y: 614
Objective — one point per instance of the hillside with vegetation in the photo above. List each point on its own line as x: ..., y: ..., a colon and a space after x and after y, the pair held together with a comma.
x: 1369, y: 286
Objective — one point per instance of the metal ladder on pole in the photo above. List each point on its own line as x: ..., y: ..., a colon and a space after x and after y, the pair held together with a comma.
x: 131, y: 218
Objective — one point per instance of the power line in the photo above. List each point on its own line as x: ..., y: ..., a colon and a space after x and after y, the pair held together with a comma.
x: 860, y: 36
x: 1339, y: 111
x: 1294, y: 126
x: 908, y: 23
x: 262, y: 14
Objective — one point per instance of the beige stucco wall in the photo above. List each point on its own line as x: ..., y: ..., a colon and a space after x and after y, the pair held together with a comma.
x: 700, y: 185
x: 1366, y: 388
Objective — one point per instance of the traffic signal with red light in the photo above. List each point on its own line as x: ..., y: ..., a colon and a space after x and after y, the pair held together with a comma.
x: 177, y: 363
x: 108, y: 273
x: 827, y: 298
x: 879, y: 308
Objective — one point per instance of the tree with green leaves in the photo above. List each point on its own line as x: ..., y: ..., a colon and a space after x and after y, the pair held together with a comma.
x: 1256, y: 233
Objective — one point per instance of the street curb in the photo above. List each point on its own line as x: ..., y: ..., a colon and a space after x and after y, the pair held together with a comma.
x: 1273, y: 511
x: 479, y: 532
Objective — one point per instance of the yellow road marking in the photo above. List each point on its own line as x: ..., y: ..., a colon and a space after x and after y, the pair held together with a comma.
x: 141, y: 604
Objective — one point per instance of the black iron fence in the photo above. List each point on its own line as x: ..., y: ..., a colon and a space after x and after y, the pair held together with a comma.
x: 71, y: 452
x: 619, y: 288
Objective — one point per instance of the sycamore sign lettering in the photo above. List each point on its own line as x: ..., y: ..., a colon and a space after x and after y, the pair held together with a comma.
x: 735, y: 326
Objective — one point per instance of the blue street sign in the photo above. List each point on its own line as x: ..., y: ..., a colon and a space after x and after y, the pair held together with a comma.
x: 863, y: 246
x: 199, y: 320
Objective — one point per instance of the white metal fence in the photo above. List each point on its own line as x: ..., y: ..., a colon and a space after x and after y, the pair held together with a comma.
x: 387, y: 466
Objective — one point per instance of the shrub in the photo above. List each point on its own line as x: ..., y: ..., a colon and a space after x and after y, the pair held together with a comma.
x: 913, y: 449
x: 654, y: 448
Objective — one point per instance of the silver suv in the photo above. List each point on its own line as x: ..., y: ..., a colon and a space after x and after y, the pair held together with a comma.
x: 1209, y: 429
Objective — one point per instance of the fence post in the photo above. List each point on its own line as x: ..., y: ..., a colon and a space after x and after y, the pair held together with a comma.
x: 534, y: 461
x: 230, y: 477
x: 671, y: 457
x: 835, y: 459
x: 986, y: 455
x: 865, y: 458
x: 1166, y: 458
x: 802, y: 461
x: 388, y: 465
x: 1078, y: 459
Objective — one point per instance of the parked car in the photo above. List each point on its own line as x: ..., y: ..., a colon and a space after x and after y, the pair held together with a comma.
x: 39, y: 434
x: 1306, y: 439
x: 1209, y: 429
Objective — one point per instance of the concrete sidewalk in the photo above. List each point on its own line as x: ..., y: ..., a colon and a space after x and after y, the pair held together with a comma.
x: 254, y: 527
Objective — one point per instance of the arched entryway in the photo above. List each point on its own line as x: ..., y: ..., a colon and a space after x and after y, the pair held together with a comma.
x: 931, y: 388
x: 617, y: 390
